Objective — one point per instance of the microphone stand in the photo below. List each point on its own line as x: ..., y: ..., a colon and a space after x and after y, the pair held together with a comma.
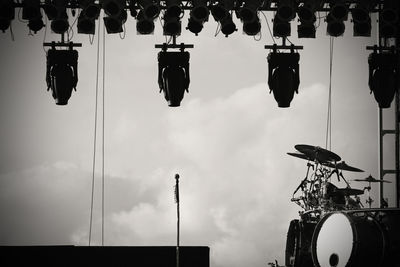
x: 178, y: 217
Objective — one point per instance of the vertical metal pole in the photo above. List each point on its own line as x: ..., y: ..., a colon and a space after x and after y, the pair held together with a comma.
x: 380, y: 157
x: 397, y: 114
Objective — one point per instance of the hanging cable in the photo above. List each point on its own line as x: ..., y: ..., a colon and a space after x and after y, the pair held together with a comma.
x: 102, y: 141
x: 269, y: 28
x: 95, y: 134
x: 328, y: 137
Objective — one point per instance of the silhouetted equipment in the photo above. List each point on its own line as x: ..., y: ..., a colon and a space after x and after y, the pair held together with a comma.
x: 144, y: 25
x: 306, y: 13
x: 336, y: 17
x: 283, y: 75
x: 370, y: 180
x: 220, y: 12
x: 389, y: 19
x: 57, y: 13
x: 87, y: 18
x: 116, y: 15
x: 343, y: 166
x: 151, y: 9
x: 198, y: 16
x: 31, y: 12
x: 361, y: 18
x: 7, y: 14
x: 110, y: 256
x: 248, y: 15
x: 173, y: 72
x: 172, y: 18
x: 62, y: 71
x: 368, y: 237
x: 383, y: 72
x: 318, y: 153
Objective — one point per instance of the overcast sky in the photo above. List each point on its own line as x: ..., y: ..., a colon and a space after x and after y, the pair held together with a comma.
x: 228, y: 141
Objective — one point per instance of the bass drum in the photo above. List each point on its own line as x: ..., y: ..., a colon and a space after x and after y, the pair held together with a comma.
x: 298, y: 244
x: 348, y: 239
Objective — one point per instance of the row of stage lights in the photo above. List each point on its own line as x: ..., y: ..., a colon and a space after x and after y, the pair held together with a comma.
x: 147, y: 11
x: 173, y: 71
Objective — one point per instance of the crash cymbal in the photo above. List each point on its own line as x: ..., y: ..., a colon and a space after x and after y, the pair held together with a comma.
x: 371, y: 179
x: 348, y: 191
x: 343, y: 166
x: 301, y: 156
x: 317, y: 153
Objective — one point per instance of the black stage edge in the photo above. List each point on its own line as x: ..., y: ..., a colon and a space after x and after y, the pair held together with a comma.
x: 112, y: 256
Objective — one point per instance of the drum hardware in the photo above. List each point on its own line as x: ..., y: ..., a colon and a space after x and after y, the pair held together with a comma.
x: 318, y: 153
x: 343, y: 166
x: 370, y: 180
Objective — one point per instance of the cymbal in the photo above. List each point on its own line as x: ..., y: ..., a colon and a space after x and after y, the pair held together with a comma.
x: 343, y: 166
x: 348, y: 191
x: 301, y: 156
x: 371, y: 179
x: 317, y: 153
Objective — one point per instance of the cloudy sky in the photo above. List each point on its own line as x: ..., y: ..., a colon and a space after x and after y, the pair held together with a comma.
x: 228, y: 141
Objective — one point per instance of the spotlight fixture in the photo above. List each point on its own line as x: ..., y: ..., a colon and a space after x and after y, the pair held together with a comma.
x: 248, y: 15
x: 50, y: 8
x: 361, y: 19
x: 389, y: 19
x: 151, y: 9
x: 173, y: 75
x: 31, y: 12
x: 198, y: 16
x: 283, y: 76
x: 286, y: 11
x: 228, y: 26
x: 172, y: 18
x: 62, y: 74
x: 306, y: 13
x: 7, y: 14
x: 57, y: 13
x: 382, y: 77
x: 221, y: 10
x: 144, y: 25
x: 336, y: 17
x: 87, y: 18
x: 116, y: 15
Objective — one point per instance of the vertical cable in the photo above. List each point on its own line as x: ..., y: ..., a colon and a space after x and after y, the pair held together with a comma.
x: 95, y: 135
x: 328, y: 137
x: 102, y: 142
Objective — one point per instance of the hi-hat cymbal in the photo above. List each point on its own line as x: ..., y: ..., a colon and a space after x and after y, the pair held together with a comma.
x: 348, y: 191
x: 343, y: 166
x: 371, y: 179
x: 317, y: 153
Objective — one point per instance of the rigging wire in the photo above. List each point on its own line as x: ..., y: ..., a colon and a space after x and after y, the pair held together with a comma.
x: 95, y: 134
x: 328, y: 137
x: 102, y: 141
x: 269, y: 28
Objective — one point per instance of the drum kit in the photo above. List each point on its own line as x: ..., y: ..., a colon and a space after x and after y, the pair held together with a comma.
x: 334, y: 228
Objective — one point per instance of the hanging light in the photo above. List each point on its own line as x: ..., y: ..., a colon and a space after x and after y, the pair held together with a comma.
x: 116, y: 15
x: 383, y: 77
x: 286, y: 11
x: 198, y: 16
x: 283, y: 76
x: 389, y: 19
x: 151, y: 9
x: 7, y: 14
x: 57, y: 13
x: 221, y: 10
x: 31, y: 12
x: 173, y: 75
x: 248, y: 15
x: 62, y: 74
x: 361, y: 19
x: 172, y: 18
x: 87, y: 18
x: 306, y: 13
x: 336, y: 17
x: 144, y: 25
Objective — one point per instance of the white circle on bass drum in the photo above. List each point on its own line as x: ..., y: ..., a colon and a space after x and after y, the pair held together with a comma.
x: 335, y: 241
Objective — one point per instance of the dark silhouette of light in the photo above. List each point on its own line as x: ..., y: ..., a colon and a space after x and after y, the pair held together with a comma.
x: 62, y: 74
x: 283, y: 76
x: 31, y: 12
x: 50, y: 8
x: 221, y: 13
x: 87, y: 18
x: 116, y: 15
x: 7, y: 14
x: 248, y: 15
x: 198, y: 16
x: 151, y: 9
x: 361, y: 19
x: 144, y: 25
x: 286, y: 11
x: 172, y: 18
x: 228, y: 26
x: 389, y: 19
x: 173, y: 75
x: 56, y: 11
x: 382, y: 77
x: 307, y: 18
x: 336, y: 17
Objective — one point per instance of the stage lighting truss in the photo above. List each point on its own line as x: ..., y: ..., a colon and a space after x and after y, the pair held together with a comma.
x: 61, y: 71
x: 173, y: 72
x: 383, y: 74
x: 283, y: 72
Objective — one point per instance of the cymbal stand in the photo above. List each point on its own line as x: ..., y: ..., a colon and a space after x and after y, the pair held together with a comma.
x: 369, y: 199
x: 303, y: 187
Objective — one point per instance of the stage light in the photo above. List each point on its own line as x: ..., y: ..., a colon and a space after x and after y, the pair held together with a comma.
x: 389, y: 19
x: 7, y: 14
x: 306, y: 13
x: 249, y: 17
x: 172, y: 23
x: 361, y: 20
x: 336, y: 17
x: 36, y: 25
x: 56, y: 11
x: 173, y: 75
x: 116, y: 15
x: 228, y: 26
x: 221, y: 10
x: 283, y: 76
x: 198, y: 15
x: 143, y: 24
x: 281, y: 28
x: 286, y: 10
x: 50, y: 9
x: 174, y: 8
x: 382, y: 77
x: 151, y: 9
x: 62, y: 74
x: 87, y: 18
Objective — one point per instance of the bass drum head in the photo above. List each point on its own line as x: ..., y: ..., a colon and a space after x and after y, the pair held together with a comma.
x: 298, y: 244
x: 348, y: 240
